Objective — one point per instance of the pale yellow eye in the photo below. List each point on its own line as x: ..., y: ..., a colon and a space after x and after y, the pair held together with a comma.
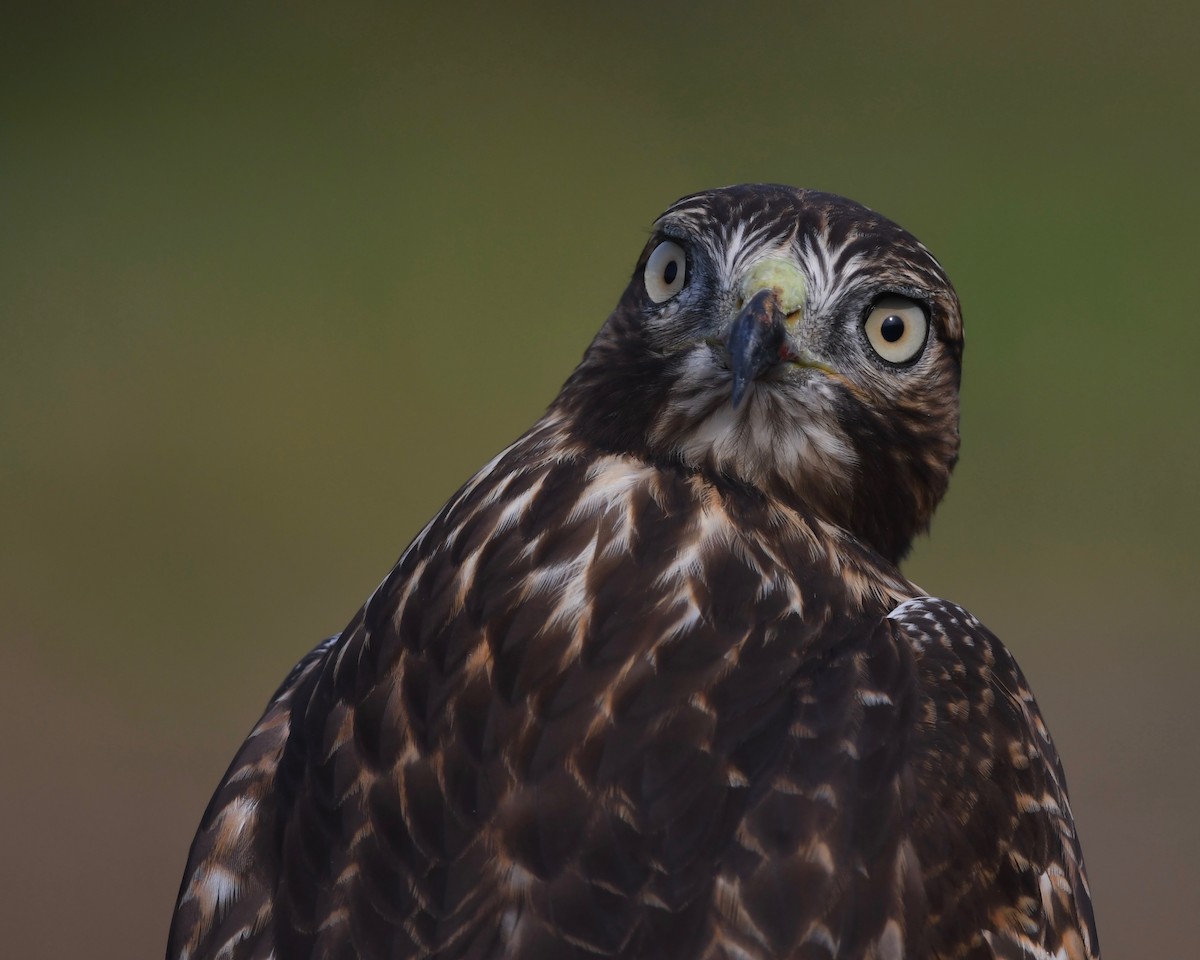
x: 896, y: 329
x: 666, y: 271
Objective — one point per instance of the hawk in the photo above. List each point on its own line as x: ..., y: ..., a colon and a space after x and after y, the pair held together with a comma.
x: 650, y: 684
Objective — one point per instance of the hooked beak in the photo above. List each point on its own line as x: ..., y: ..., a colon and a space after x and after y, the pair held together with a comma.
x: 756, y: 341
x: 766, y: 331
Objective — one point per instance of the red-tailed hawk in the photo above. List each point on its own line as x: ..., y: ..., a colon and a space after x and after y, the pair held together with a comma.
x: 651, y: 685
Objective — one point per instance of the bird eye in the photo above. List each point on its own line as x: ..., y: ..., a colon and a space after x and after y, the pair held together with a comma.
x: 666, y: 271
x: 896, y: 329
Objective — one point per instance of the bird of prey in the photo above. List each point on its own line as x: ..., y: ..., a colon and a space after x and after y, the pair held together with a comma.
x: 651, y: 684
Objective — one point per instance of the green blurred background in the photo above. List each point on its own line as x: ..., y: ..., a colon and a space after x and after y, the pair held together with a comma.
x: 275, y: 279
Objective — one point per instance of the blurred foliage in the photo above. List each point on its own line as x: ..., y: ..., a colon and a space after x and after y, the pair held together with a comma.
x: 275, y: 279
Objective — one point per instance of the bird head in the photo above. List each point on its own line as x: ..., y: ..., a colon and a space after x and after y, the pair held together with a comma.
x: 790, y: 342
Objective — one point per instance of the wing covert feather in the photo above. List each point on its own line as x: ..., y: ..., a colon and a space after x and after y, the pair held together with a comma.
x: 225, y: 898
x: 993, y: 831
x: 553, y: 743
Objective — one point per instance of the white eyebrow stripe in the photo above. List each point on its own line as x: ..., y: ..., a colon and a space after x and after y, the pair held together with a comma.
x: 828, y: 284
x: 733, y: 246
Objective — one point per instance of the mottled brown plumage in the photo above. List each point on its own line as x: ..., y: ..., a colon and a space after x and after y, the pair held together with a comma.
x: 650, y: 685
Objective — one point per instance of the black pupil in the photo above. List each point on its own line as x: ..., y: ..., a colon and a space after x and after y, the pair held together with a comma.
x: 671, y: 272
x: 892, y: 328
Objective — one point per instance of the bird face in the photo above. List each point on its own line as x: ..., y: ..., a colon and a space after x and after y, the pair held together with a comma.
x: 791, y: 341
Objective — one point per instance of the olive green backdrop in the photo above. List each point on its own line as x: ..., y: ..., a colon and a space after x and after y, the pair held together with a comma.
x: 276, y: 278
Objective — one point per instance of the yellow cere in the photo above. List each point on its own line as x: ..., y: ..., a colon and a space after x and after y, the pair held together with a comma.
x: 782, y: 276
